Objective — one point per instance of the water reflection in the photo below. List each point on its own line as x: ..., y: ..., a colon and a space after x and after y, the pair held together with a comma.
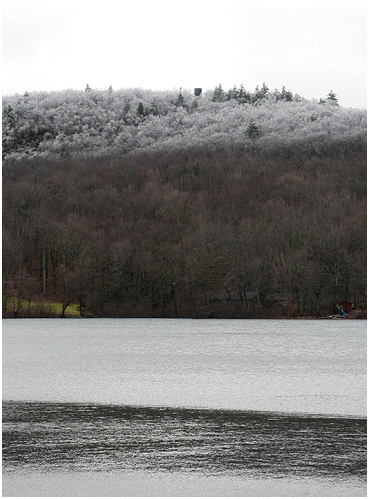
x: 86, y: 437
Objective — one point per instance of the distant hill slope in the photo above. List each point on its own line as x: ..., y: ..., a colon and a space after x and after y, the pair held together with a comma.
x: 141, y: 204
x: 110, y: 123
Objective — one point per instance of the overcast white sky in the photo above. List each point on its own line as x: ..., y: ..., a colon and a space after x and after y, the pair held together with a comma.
x: 309, y: 46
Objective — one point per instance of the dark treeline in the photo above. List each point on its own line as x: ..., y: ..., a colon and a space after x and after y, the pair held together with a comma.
x: 195, y: 232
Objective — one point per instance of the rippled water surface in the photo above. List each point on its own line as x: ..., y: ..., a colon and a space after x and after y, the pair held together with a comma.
x: 184, y: 408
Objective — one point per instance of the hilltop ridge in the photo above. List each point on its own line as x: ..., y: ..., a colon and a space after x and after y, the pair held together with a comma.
x: 110, y: 123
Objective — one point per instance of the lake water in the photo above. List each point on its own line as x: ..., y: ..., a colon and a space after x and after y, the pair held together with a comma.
x: 151, y: 407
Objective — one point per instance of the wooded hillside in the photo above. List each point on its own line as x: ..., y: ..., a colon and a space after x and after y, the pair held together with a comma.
x: 143, y: 204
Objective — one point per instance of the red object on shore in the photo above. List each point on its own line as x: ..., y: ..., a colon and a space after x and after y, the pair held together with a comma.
x: 347, y: 306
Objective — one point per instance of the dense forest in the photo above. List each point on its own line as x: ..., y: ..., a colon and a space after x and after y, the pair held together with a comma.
x: 135, y: 203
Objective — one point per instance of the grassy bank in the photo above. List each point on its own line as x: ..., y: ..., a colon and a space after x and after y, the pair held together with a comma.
x: 13, y: 307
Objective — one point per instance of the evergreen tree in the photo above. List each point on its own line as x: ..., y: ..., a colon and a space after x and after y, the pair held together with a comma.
x: 9, y: 118
x: 218, y: 94
x: 260, y: 94
x: 232, y: 93
x: 286, y: 95
x: 252, y: 130
x: 154, y: 109
x: 242, y: 94
x: 332, y: 97
x: 140, y: 109
x: 256, y: 95
x: 127, y: 106
x: 264, y: 90
x: 180, y: 99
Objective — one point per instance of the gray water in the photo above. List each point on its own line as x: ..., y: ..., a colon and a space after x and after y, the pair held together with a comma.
x: 141, y: 407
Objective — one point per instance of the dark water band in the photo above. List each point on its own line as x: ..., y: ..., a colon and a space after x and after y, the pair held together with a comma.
x: 88, y: 437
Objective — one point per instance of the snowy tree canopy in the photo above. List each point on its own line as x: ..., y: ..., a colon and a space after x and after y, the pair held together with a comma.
x: 114, y: 122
